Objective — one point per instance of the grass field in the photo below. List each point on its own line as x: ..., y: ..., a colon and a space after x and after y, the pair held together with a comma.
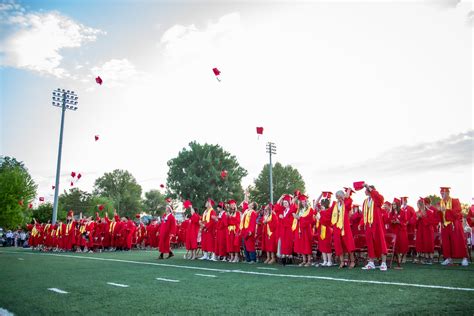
x: 220, y: 288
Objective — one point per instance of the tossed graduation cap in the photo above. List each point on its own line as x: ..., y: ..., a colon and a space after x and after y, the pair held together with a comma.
x: 79, y: 176
x: 30, y: 205
x: 41, y: 199
x: 223, y: 174
x: 20, y: 202
x: 73, y: 174
x: 53, y: 187
x: 101, y: 207
x: 216, y: 73
x: 168, y: 200
x: 98, y: 80
x: 187, y: 204
x: 72, y: 183
x: 359, y: 185
x: 162, y: 186
x: 96, y: 137
x: 327, y: 194
x: 259, y: 132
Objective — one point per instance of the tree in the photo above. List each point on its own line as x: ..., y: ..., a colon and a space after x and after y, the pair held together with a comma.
x: 17, y: 189
x: 434, y: 199
x: 44, y: 213
x: 75, y: 200
x: 154, y: 202
x: 286, y: 179
x: 195, y: 174
x: 122, y: 188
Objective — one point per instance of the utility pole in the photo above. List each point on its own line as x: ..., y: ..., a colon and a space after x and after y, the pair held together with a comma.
x: 271, y: 150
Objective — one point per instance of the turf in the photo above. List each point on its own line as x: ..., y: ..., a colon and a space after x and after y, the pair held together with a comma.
x: 24, y: 285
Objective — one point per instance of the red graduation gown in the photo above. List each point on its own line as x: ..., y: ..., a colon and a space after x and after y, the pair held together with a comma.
x: 167, y: 228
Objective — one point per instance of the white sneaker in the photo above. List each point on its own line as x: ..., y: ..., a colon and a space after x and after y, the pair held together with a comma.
x: 329, y: 264
x: 383, y: 266
x: 324, y: 264
x: 464, y: 262
x: 446, y: 262
x: 205, y: 257
x: 213, y: 258
x: 369, y: 266
x: 224, y: 259
x: 236, y: 259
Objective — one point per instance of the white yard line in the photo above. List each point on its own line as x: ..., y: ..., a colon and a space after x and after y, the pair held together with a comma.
x: 167, y: 280
x: 5, y: 312
x: 117, y: 284
x: 21, y: 259
x: 57, y: 290
x: 263, y: 268
x: 310, y: 277
x: 206, y: 275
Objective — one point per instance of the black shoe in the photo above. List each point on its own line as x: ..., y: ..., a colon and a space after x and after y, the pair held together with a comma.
x: 171, y: 254
x: 161, y: 256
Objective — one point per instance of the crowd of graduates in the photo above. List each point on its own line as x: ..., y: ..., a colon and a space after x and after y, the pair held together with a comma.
x: 293, y: 230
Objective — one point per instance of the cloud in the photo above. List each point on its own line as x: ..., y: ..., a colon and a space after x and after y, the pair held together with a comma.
x: 454, y: 151
x: 117, y: 72
x: 34, y: 40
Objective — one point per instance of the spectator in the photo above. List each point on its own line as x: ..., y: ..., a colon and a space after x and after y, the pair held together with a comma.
x: 9, y: 238
x: 22, y: 238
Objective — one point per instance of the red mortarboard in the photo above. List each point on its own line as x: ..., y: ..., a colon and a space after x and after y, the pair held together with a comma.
x: 231, y: 201
x: 187, y: 204
x: 168, y: 200
x: 221, y: 204
x: 355, y: 205
x: 349, y: 190
x: 216, y: 71
x: 41, y: 199
x: 404, y: 198
x: 98, y: 80
x: 297, y: 193
x: 387, y: 203
x: 259, y: 131
x: 79, y: 176
x: 359, y: 185
x: 211, y: 201
x: 162, y: 186
x: 397, y: 201
x: 53, y: 187
x: 72, y: 183
x: 20, y: 202
x: 327, y: 194
x: 223, y: 174
x: 96, y: 137
x: 73, y: 174
x: 101, y: 207
x: 137, y: 215
x: 425, y: 200
x: 245, y: 206
x: 70, y: 213
x: 287, y: 198
x: 302, y: 197
x: 445, y: 189
x: 30, y: 205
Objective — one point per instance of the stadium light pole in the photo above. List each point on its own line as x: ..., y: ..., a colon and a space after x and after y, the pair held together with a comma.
x: 271, y: 150
x: 66, y: 100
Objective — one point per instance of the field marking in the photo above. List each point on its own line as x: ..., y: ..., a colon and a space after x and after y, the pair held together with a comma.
x: 264, y: 268
x: 21, y: 259
x: 314, y: 277
x: 57, y: 290
x: 117, y: 284
x: 206, y: 275
x: 5, y: 312
x: 167, y: 280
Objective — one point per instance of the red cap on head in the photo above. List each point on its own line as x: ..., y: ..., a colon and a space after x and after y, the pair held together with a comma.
x: 425, y: 200
x: 349, y: 190
x: 302, y: 197
x: 221, y: 204
x: 245, y: 206
x: 137, y: 215
x: 168, y: 200
x: 297, y: 193
x: 287, y: 198
x: 187, y: 204
x: 445, y: 189
x: 359, y: 185
x: 231, y: 202
x: 327, y: 194
x: 397, y: 201
x: 70, y: 213
x: 355, y: 205
x: 387, y: 203
x: 212, y: 202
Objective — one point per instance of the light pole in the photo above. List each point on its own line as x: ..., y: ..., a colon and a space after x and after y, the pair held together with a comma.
x: 271, y: 149
x: 66, y: 100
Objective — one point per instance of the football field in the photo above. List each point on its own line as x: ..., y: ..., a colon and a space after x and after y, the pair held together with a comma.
x: 136, y: 283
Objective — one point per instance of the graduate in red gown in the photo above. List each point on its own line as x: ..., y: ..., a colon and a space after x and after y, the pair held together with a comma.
x: 302, y: 227
x: 342, y: 233
x: 167, y: 231
x: 248, y: 225
x: 285, y: 208
x: 233, y: 229
x: 192, y: 231
x: 427, y: 220
x: 128, y: 232
x: 452, y: 231
x: 69, y: 232
x: 324, y: 229
x: 355, y: 217
x: 411, y: 222
x: 269, y: 236
x: 374, y: 232
x: 208, y: 230
x: 398, y: 226
x: 221, y: 233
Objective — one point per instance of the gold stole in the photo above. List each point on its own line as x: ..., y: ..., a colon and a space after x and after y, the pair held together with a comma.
x: 338, y: 216
x: 112, y: 226
x: 82, y: 229
x: 34, y: 231
x: 206, y: 217
x: 269, y: 219
x: 368, y: 211
x: 243, y: 218
x: 231, y: 228
x: 58, y: 231
x: 302, y: 214
x: 447, y: 206
x: 68, y: 227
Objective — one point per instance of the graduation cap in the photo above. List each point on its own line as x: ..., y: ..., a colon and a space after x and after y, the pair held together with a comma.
x: 216, y: 73
x: 297, y: 193
x: 73, y: 174
x: 72, y: 183
x: 41, y: 199
x: 349, y: 190
x: 53, y: 187
x: 287, y: 198
x: 302, y: 197
x: 168, y: 200
x: 98, y: 80
x: 101, y: 207
x: 397, y: 201
x: 259, y: 132
x: 221, y: 205
x: 70, y: 213
x: 327, y: 194
x: 162, y: 186
x: 231, y: 202
x: 404, y: 198
x: 211, y: 201
x: 187, y: 204
x: 445, y: 189
x: 425, y: 200
x: 137, y: 215
x: 359, y: 185
x: 223, y: 174
x: 96, y: 137
x: 20, y: 202
x: 30, y: 205
x: 79, y: 176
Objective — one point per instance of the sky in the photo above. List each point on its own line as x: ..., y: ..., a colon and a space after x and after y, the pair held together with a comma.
x: 375, y: 91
